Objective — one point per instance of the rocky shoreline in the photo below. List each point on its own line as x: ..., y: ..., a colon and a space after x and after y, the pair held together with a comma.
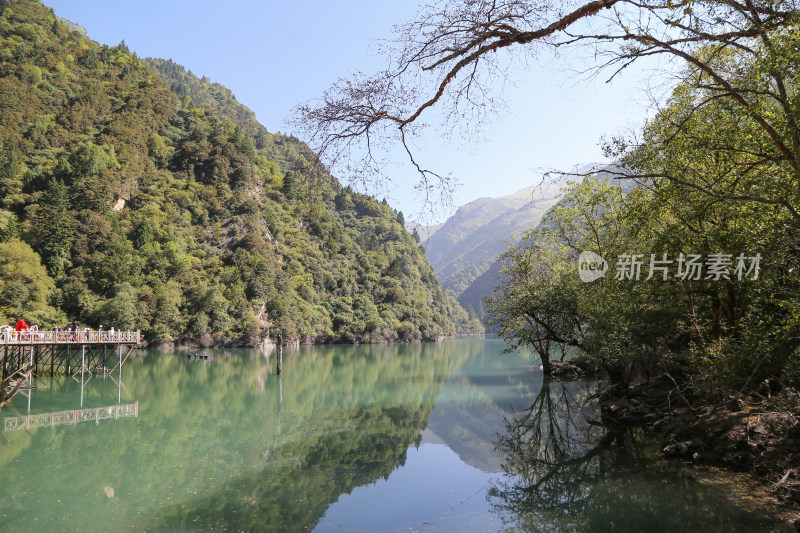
x: 756, y: 436
x: 218, y: 341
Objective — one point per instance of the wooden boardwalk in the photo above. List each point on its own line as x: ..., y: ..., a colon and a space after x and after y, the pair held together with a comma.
x: 28, y: 338
x: 65, y: 352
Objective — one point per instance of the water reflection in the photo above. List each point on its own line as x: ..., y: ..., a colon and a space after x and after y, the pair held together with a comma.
x: 228, y: 443
x: 565, y: 472
x: 367, y: 438
x: 345, y: 417
x: 487, y: 388
x: 68, y: 400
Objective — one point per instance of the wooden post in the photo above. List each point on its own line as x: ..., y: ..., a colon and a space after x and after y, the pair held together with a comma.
x: 119, y: 380
x: 280, y: 359
x: 81, y: 382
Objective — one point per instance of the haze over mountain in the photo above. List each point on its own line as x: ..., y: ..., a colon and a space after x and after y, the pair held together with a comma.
x: 464, y: 251
x: 467, y: 244
x: 423, y: 231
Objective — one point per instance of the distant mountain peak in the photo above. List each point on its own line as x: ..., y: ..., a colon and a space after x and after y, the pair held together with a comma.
x: 464, y: 250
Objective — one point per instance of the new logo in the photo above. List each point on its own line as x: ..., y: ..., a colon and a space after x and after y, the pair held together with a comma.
x: 591, y: 266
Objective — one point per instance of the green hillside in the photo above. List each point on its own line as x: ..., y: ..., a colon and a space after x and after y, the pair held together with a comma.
x: 466, y: 247
x: 506, y: 230
x: 123, y: 204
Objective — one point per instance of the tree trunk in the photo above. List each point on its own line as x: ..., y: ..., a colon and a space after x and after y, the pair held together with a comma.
x: 547, y: 368
x: 716, y: 309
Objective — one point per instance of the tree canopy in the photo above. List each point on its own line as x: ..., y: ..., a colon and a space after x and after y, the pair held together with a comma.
x: 715, y: 177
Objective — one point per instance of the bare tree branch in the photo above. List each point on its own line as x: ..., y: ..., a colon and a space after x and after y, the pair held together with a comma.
x: 448, y: 57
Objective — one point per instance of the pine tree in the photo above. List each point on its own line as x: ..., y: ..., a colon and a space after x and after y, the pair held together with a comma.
x: 11, y: 169
x: 53, y: 228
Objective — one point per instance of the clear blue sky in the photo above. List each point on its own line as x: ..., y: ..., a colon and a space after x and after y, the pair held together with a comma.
x: 274, y: 55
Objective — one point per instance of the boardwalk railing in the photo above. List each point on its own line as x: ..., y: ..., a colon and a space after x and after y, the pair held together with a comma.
x: 71, y: 416
x: 28, y: 337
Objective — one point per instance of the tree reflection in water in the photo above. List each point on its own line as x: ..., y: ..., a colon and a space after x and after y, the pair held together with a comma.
x: 552, y: 451
x: 567, y: 472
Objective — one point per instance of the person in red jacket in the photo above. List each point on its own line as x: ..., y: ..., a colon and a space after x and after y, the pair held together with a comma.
x: 22, y: 325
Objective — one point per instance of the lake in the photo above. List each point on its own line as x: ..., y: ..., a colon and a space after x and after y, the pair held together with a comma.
x: 454, y: 436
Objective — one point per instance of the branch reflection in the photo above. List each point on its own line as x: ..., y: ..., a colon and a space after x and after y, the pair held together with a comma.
x: 567, y: 472
x: 552, y: 451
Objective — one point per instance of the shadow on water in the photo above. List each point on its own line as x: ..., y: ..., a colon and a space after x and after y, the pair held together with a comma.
x: 566, y: 472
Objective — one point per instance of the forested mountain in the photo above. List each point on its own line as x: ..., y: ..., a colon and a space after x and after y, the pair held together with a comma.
x: 122, y: 204
x: 466, y: 246
x: 473, y: 296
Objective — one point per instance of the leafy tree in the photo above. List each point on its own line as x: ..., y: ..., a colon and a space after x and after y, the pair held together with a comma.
x: 701, y: 329
x: 540, y: 301
x: 117, y: 267
x: 9, y: 227
x: 290, y: 185
x: 121, y: 310
x: 53, y: 228
x: 723, y: 191
x: 25, y: 286
x: 11, y: 177
x: 89, y: 159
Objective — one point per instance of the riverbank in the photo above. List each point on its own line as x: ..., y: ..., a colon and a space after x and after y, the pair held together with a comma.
x: 759, y: 436
x: 220, y: 341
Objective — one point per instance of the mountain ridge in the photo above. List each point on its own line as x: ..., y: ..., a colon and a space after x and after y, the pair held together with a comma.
x: 465, y: 251
x: 466, y: 244
x: 182, y: 216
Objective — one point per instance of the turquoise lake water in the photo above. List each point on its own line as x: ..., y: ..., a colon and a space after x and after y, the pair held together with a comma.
x: 453, y: 436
